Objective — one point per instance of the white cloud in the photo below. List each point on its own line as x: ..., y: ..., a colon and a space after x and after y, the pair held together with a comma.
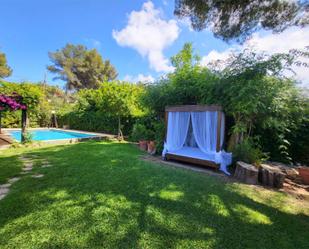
x: 149, y: 34
x: 139, y: 78
x: 214, y: 55
x: 293, y: 38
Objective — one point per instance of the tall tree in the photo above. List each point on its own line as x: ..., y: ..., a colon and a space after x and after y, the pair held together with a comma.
x: 5, y: 70
x: 81, y: 68
x: 238, y: 19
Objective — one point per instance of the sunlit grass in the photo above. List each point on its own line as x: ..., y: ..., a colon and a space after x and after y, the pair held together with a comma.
x: 101, y: 195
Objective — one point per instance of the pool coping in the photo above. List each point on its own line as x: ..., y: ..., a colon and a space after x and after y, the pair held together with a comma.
x: 96, y: 136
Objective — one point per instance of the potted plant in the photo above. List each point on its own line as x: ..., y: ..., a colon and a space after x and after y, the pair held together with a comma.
x: 151, y: 147
x: 304, y: 174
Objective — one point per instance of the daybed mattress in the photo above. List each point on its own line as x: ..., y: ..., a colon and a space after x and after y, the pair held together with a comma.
x: 193, y: 152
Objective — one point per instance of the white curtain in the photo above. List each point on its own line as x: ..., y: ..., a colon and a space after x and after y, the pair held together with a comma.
x: 204, y: 126
x: 177, y: 130
x: 222, y: 130
x: 205, y: 133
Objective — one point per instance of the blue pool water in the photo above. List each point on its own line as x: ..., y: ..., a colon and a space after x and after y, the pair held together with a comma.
x: 42, y: 135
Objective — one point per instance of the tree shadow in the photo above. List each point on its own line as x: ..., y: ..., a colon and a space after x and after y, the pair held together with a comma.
x: 117, y: 200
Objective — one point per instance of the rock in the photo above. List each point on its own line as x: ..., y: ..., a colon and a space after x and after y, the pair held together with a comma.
x: 271, y: 176
x: 46, y: 165
x: 27, y: 169
x: 4, y: 191
x: 292, y: 174
x: 246, y: 173
x: 38, y: 176
x: 14, y: 179
x: 28, y: 164
x: 7, y: 185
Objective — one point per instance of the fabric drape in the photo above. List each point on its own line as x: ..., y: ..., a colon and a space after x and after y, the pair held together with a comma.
x: 177, y: 130
x: 205, y: 130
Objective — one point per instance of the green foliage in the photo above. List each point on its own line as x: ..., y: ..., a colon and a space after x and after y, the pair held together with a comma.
x: 101, y: 109
x: 159, y: 131
x: 41, y: 100
x: 189, y: 84
x: 248, y: 151
x: 28, y: 138
x: 140, y: 132
x: 230, y: 20
x: 254, y: 92
x: 81, y: 68
x: 5, y: 70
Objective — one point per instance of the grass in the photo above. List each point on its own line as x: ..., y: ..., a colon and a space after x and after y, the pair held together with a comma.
x: 10, y: 166
x: 102, y: 195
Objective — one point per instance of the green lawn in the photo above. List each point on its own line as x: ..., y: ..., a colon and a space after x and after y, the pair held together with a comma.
x: 102, y: 195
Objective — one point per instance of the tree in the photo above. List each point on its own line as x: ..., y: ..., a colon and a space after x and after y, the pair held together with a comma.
x: 186, y: 85
x: 5, y: 70
x: 111, y: 108
x: 238, y: 19
x: 81, y: 68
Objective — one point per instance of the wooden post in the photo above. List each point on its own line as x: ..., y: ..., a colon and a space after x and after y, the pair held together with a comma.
x: 0, y: 121
x: 166, y: 124
x: 218, y: 146
x: 23, y: 124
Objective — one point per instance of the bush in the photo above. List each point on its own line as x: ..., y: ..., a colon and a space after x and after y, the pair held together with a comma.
x: 159, y: 131
x: 28, y: 137
x: 249, y: 152
x: 140, y: 132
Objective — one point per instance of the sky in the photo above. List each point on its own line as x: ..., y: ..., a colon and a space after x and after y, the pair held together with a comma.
x: 138, y: 37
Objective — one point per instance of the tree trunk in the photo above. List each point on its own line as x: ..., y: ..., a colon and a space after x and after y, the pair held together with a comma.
x: 246, y: 173
x: 23, y: 125
x: 120, y: 135
x: 271, y: 176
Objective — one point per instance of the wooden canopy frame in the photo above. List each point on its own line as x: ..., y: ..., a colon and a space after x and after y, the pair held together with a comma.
x: 195, y: 108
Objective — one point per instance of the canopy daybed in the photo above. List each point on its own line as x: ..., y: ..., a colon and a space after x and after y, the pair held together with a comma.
x: 195, y: 134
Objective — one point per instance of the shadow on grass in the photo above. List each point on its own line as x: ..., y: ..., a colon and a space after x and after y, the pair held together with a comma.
x: 100, y: 195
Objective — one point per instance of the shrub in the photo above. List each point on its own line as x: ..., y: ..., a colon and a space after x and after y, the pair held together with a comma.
x: 140, y: 132
x: 249, y: 152
x: 28, y: 137
x: 159, y: 131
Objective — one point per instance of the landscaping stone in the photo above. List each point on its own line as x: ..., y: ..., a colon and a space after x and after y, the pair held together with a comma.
x: 22, y: 158
x: 46, y: 165
x: 27, y: 169
x: 38, y: 176
x: 14, y: 179
x: 246, y: 173
x: 7, y: 185
x: 4, y: 191
x: 28, y: 164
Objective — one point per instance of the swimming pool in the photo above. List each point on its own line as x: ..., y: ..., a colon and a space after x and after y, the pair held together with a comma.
x: 50, y: 134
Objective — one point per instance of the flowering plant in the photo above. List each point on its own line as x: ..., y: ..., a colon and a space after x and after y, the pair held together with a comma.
x: 13, y: 102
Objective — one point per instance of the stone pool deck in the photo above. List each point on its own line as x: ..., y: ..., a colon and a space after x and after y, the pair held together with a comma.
x: 5, y: 141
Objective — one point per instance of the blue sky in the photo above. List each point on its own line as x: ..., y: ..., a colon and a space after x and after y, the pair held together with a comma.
x: 137, y: 36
